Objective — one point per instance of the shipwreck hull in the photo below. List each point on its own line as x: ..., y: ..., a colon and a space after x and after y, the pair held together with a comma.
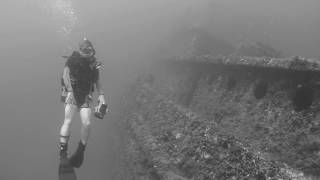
x: 215, y: 117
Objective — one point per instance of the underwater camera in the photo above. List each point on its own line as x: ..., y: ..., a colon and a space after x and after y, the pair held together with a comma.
x: 101, y: 111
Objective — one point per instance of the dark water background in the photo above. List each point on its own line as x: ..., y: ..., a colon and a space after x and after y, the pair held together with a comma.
x: 126, y: 33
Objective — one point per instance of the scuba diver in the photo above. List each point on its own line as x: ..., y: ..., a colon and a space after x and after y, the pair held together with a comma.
x: 79, y: 80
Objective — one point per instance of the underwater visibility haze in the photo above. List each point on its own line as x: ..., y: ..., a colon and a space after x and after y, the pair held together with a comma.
x: 126, y: 34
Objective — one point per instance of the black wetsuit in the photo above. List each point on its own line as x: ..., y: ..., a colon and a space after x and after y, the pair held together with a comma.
x: 83, y: 75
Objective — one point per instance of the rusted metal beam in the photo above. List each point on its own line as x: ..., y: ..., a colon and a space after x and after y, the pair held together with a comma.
x: 295, y: 63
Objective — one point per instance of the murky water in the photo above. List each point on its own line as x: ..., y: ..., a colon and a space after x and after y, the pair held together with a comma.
x: 36, y: 33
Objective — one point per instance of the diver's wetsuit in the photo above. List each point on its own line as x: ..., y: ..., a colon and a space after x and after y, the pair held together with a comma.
x: 79, y: 76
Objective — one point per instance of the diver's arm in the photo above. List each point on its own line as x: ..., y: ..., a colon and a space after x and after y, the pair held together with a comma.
x: 66, y: 78
x: 99, y: 88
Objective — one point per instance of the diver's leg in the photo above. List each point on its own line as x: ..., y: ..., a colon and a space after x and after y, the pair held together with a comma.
x: 77, y: 158
x: 85, y: 114
x: 65, y: 128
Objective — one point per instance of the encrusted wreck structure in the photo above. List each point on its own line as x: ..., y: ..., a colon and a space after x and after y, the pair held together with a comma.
x: 220, y: 117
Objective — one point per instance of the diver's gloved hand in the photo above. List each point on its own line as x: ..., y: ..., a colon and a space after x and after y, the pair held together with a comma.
x: 102, y: 108
x: 101, y: 100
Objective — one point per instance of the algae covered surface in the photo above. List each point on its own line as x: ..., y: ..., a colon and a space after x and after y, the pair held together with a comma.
x: 200, y: 122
